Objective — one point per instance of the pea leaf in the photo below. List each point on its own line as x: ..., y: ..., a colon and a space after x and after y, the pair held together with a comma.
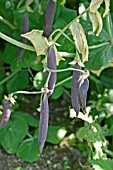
x: 39, y: 42
x: 28, y: 150
x: 102, y: 164
x: 19, y: 82
x: 14, y: 132
x: 58, y: 91
x: 55, y: 134
x: 32, y: 121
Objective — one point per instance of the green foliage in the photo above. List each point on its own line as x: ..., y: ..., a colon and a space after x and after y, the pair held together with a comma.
x: 21, y: 132
x: 102, y: 164
x: 13, y: 134
x: 28, y: 150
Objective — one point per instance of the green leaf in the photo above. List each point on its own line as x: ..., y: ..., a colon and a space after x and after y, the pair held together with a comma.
x: 109, y: 132
x: 14, y: 132
x: 19, y: 82
x: 65, y: 16
x: 99, y: 57
x: 28, y: 150
x: 38, y: 41
x: 58, y: 91
x: 80, y: 134
x: 55, y: 134
x: 102, y: 164
x: 27, y: 117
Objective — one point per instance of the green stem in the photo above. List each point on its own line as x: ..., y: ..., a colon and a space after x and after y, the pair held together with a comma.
x: 108, y: 28
x: 62, y: 70
x: 59, y: 30
x: 17, y: 43
x: 9, y: 77
x: 67, y: 26
x: 26, y: 92
x: 46, y: 84
x: 7, y: 23
x: 63, y: 81
x: 99, y: 45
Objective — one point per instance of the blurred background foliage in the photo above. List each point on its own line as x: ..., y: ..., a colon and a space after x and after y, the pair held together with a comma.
x: 29, y: 75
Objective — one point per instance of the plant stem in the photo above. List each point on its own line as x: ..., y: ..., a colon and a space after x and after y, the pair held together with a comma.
x: 17, y: 43
x: 26, y: 92
x: 62, y: 70
x: 9, y: 77
x: 67, y: 26
x: 99, y: 45
x: 7, y: 23
x: 63, y: 81
x: 108, y: 28
x: 46, y: 84
x: 59, y: 30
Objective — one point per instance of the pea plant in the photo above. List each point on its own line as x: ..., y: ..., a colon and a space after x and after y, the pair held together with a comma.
x: 63, y: 48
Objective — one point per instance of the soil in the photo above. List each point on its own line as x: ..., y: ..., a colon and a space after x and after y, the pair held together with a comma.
x: 55, y: 157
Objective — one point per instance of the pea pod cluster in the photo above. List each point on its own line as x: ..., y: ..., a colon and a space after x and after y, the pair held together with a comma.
x: 24, y: 29
x: 78, y: 91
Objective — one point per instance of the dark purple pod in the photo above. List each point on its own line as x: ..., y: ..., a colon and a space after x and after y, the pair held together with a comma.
x: 75, y: 89
x: 43, y: 126
x: 6, y: 114
x: 83, y: 94
x: 51, y: 64
x: 24, y: 29
x: 49, y: 17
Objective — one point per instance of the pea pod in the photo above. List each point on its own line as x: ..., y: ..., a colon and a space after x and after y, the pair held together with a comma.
x: 51, y: 64
x: 6, y: 114
x: 49, y: 17
x: 24, y: 29
x: 83, y: 94
x: 75, y: 89
x: 43, y: 126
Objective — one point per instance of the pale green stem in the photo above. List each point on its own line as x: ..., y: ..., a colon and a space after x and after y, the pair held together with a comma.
x: 26, y: 92
x: 62, y: 70
x: 59, y: 30
x: 99, y: 45
x: 67, y: 26
x: 7, y: 23
x: 9, y: 77
x: 63, y: 81
x: 109, y: 29
x: 46, y: 84
x: 17, y: 43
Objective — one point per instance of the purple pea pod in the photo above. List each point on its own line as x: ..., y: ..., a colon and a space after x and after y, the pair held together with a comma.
x: 83, y: 94
x: 24, y: 29
x: 49, y: 17
x: 51, y: 64
x: 75, y: 89
x: 6, y: 114
x: 43, y: 126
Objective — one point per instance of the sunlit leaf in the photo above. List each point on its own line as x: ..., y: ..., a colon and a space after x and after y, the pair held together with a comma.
x: 94, y: 5
x: 38, y: 40
x: 107, y: 7
x: 96, y: 22
x: 102, y: 164
x: 80, y: 39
